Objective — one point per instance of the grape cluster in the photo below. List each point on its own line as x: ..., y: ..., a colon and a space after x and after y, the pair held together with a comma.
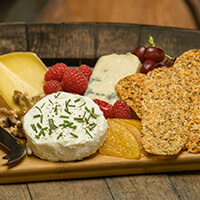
x: 152, y: 57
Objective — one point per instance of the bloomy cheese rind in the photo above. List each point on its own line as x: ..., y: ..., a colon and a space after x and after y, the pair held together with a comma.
x: 67, y: 147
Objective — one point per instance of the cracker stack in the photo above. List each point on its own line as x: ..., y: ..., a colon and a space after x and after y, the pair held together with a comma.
x: 168, y: 102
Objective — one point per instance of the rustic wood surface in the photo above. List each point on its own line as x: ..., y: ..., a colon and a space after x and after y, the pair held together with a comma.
x: 78, y: 42
x: 176, y: 13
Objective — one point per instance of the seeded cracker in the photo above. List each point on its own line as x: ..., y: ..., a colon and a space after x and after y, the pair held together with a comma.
x: 188, y: 60
x: 193, y: 140
x: 130, y: 90
x: 191, y: 60
x: 165, y: 112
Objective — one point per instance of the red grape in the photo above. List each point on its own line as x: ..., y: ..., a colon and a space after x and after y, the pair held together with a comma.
x: 154, y: 53
x: 139, y: 52
x: 148, y: 65
x: 168, y: 62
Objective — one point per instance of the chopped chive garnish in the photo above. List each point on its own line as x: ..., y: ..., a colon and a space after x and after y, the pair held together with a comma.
x: 74, y: 127
x: 74, y: 135
x: 51, y: 124
x: 92, y: 126
x: 71, y: 105
x: 59, y: 89
x: 43, y: 105
x: 62, y: 124
x: 65, y: 125
x: 82, y: 105
x: 93, y: 116
x: 88, y: 133
x: 50, y: 101
x: 50, y: 131
x: 39, y: 109
x: 39, y: 126
x: 56, y: 96
x: 60, y: 135
x: 84, y: 115
x: 42, y: 131
x: 41, y: 119
x: 37, y: 136
x: 87, y: 121
x: 35, y: 116
x: 77, y: 100
x: 66, y: 121
x: 34, y: 127
x: 64, y: 116
x: 67, y: 103
x: 56, y: 109
x: 87, y: 109
x: 78, y: 119
x: 92, y: 109
x: 67, y: 111
x: 71, y: 123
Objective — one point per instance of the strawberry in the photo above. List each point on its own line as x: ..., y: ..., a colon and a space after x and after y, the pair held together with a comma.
x: 86, y: 70
x: 52, y: 87
x: 121, y: 110
x: 56, y: 72
x: 105, y: 107
x: 74, y: 81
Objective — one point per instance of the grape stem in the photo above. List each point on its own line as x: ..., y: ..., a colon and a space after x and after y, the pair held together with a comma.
x: 169, y: 57
x: 151, y: 41
x: 153, y: 44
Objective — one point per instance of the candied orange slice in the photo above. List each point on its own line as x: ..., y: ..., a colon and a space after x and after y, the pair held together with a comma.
x: 135, y: 122
x: 120, y: 142
x: 133, y: 125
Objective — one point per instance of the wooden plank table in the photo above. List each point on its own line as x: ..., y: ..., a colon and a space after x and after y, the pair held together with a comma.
x: 86, y: 42
x: 175, y: 13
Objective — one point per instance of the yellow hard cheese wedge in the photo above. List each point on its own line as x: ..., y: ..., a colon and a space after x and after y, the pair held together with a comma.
x: 22, y: 71
x: 120, y: 142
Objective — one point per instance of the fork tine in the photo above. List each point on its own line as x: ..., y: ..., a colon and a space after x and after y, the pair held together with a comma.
x: 6, y: 157
x: 17, y: 150
x: 13, y: 157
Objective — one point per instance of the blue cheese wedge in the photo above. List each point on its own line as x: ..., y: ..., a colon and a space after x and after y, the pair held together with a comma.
x: 107, y: 72
x: 64, y: 127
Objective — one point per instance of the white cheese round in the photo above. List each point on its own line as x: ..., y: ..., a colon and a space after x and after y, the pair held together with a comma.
x: 65, y: 127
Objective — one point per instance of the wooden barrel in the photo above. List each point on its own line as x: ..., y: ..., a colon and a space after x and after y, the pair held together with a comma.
x: 86, y: 42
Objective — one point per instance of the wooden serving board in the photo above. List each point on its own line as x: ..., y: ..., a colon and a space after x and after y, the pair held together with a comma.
x: 75, y: 43
x: 32, y: 168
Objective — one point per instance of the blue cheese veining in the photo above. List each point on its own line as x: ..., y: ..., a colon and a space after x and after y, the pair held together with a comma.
x: 64, y: 127
x: 107, y: 72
